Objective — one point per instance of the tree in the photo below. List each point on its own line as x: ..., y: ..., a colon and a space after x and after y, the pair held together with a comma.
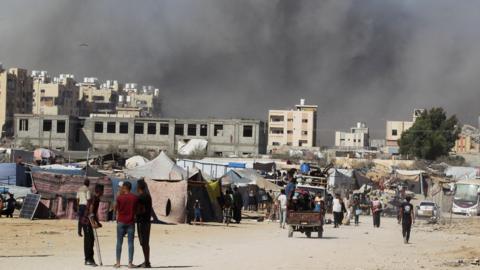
x: 432, y: 135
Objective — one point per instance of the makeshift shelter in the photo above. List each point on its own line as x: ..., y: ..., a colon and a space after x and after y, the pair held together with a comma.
x: 413, y: 180
x: 341, y: 179
x: 169, y: 200
x: 192, y: 147
x: 58, y: 192
x: 12, y: 174
x: 160, y: 168
x: 135, y: 161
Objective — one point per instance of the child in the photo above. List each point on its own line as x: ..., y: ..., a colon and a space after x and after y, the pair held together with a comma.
x: 198, y: 212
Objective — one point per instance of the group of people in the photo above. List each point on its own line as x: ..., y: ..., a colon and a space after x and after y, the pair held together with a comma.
x: 129, y: 208
x: 7, y: 206
x: 232, y: 204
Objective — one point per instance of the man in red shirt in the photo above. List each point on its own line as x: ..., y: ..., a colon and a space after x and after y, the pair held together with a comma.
x: 126, y: 209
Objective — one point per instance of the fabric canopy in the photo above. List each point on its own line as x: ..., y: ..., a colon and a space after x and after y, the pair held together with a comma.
x: 160, y: 168
x: 135, y: 161
x: 244, y: 177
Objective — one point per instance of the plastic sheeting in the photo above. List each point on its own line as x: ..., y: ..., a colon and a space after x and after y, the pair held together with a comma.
x: 462, y: 173
x: 193, y: 146
x: 135, y: 161
x: 160, y: 168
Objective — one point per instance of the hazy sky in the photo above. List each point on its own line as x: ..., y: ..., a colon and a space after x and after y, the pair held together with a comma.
x: 359, y: 60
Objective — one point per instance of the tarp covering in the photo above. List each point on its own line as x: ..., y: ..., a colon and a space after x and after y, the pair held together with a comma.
x: 90, y: 172
x: 60, y: 191
x: 135, y: 161
x: 12, y: 174
x: 257, y: 179
x: 160, y: 168
x: 462, y: 173
x: 234, y: 178
x: 341, y: 179
x: 192, y: 147
x: 169, y: 200
x: 43, y: 153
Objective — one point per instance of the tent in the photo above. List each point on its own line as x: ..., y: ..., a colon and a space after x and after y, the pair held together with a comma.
x: 169, y: 200
x: 160, y: 168
x: 341, y: 179
x: 58, y: 192
x: 135, y: 161
x: 192, y: 147
x: 412, y: 179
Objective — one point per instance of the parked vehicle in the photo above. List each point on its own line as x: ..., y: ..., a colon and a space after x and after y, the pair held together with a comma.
x: 306, y: 222
x: 428, y: 210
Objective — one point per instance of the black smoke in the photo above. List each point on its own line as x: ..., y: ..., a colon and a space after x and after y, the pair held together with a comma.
x: 368, y: 60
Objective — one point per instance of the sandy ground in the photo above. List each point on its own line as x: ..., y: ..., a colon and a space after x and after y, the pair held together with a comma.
x: 53, y: 244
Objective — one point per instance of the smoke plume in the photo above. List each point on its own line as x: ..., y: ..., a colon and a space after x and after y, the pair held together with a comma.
x: 368, y: 60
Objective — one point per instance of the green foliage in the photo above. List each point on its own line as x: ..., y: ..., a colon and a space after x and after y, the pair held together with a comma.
x: 432, y: 135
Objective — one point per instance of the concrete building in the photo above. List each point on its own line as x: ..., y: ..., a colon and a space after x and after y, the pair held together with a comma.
x: 15, y: 97
x: 468, y: 141
x: 147, y: 99
x: 395, y: 129
x: 358, y: 137
x: 101, y: 133
x: 292, y: 128
x: 99, y: 98
x: 57, y: 96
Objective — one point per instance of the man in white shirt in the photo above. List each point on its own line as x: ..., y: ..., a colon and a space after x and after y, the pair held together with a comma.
x: 282, y: 204
x: 337, y: 210
x: 83, y: 195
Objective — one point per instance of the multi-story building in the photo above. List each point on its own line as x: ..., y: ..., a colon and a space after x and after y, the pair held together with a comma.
x: 57, y: 96
x: 98, y: 98
x: 15, y: 96
x: 358, y: 137
x: 147, y: 99
x: 468, y: 141
x: 101, y: 133
x: 395, y: 130
x: 292, y: 128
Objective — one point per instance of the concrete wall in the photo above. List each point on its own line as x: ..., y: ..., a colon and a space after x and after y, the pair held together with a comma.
x: 81, y: 134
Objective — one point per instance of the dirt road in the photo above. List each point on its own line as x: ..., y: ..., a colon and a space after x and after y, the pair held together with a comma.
x: 53, y: 244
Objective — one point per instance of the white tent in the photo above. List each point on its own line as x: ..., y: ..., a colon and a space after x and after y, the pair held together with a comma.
x: 192, y: 146
x: 341, y: 179
x: 160, y: 168
x: 135, y: 161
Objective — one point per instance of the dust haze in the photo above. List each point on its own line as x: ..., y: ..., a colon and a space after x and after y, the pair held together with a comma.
x: 368, y: 60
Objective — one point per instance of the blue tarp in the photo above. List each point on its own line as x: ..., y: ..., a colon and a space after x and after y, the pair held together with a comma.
x: 236, y: 165
x: 12, y: 174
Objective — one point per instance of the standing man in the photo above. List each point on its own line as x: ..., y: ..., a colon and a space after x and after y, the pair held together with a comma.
x: 144, y: 216
x: 126, y: 208
x: 90, y: 222
x: 376, y: 211
x: 282, y: 201
x: 407, y: 217
x: 237, y: 205
x: 291, y: 186
x: 83, y: 195
x: 337, y: 211
x: 11, y: 203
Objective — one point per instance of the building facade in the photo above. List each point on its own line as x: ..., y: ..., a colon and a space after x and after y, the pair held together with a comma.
x: 57, y: 96
x: 358, y: 137
x: 15, y: 97
x: 292, y: 128
x: 395, y: 129
x: 102, y: 133
x: 468, y: 141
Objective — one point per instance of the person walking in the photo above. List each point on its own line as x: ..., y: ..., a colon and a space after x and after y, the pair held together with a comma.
x: 407, y: 218
x: 337, y: 211
x: 144, y: 219
x: 89, y: 222
x: 376, y: 212
x: 83, y: 195
x: 237, y: 205
x: 282, y: 202
x: 357, y: 210
x: 126, y: 208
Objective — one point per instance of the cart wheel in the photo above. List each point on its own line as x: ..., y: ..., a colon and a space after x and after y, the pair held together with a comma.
x: 308, y: 234
x: 290, y: 231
